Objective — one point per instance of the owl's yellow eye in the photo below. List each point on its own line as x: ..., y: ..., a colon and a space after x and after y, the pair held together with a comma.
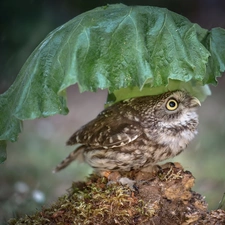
x: 172, y: 104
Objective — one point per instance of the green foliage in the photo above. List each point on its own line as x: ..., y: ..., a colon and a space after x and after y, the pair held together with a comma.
x: 129, y: 50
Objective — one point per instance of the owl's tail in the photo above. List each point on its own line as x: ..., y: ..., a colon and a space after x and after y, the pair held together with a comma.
x: 72, y: 156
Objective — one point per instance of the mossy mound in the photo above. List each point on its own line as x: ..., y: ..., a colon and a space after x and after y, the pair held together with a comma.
x: 161, y: 198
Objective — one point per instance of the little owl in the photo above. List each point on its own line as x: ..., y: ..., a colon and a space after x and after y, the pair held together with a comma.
x: 136, y: 133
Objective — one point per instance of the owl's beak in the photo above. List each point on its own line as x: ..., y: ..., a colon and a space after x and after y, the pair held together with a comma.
x: 196, y: 102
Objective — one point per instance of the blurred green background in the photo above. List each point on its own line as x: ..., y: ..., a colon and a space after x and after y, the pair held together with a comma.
x: 26, y: 181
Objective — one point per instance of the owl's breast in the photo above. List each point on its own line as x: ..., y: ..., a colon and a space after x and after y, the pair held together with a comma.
x: 174, y: 134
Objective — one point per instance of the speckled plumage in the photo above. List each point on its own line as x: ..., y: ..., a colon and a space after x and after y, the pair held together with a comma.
x: 136, y: 133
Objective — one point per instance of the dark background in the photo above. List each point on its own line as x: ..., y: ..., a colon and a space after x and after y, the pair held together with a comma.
x: 26, y: 181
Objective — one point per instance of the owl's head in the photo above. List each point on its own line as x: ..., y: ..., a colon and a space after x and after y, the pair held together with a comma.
x: 175, y: 105
x: 175, y: 119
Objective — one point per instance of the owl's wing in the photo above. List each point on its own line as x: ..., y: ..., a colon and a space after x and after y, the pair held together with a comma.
x: 108, y: 130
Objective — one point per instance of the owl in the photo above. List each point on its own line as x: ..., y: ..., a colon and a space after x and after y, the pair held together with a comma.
x: 136, y: 133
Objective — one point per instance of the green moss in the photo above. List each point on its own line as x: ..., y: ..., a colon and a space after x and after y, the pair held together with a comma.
x: 92, y: 202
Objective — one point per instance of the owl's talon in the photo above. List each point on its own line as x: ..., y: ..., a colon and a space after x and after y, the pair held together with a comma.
x: 115, y: 177
x: 125, y: 181
x: 157, y: 169
x: 130, y: 183
x: 106, y: 174
x: 168, y: 165
x: 171, y: 164
x: 110, y: 182
x: 136, y: 188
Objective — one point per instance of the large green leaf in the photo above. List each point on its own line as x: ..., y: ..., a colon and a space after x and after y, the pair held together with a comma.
x: 215, y: 43
x: 125, y: 49
x: 196, y: 90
